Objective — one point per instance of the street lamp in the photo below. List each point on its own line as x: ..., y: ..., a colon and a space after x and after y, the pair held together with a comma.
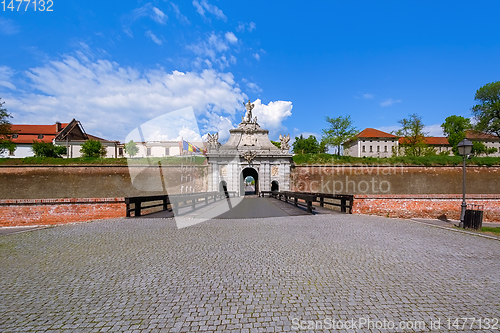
x: 464, y: 149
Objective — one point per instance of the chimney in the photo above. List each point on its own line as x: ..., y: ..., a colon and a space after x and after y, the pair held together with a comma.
x: 58, y: 127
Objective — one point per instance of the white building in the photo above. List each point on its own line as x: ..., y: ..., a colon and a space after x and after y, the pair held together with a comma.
x: 371, y: 143
x: 71, y: 135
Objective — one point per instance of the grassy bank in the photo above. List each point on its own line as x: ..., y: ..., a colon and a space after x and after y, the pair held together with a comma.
x: 328, y: 159
x: 197, y: 160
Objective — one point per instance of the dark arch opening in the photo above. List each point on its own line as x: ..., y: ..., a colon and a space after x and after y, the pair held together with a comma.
x: 275, y: 186
x: 253, y: 189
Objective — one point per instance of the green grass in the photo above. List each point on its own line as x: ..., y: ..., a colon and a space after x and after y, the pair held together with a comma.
x: 495, y: 230
x: 197, y: 160
x: 329, y: 159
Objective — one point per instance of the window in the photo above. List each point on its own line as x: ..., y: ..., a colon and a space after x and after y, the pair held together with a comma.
x: 385, y: 149
x: 40, y: 136
x: 148, y: 151
x: 167, y: 151
x: 364, y: 150
x: 120, y: 151
x: 371, y: 149
x: 378, y: 149
x: 15, y: 136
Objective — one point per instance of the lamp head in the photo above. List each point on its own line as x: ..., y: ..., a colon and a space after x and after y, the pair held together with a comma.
x: 464, y: 147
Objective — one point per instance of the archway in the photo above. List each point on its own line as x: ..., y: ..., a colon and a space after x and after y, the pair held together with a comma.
x: 223, y: 186
x: 247, y: 175
x: 275, y: 186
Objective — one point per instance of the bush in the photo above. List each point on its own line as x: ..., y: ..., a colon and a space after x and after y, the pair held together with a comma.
x: 93, y: 148
x: 47, y: 149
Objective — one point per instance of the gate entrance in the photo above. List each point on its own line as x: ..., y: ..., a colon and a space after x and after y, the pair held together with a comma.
x: 250, y: 176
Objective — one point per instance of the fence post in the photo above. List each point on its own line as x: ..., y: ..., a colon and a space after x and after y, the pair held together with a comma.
x: 343, y: 205
x: 137, y: 209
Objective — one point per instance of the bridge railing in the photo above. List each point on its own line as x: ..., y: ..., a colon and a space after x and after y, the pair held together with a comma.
x: 307, y: 200
x: 174, y: 202
x: 344, y: 201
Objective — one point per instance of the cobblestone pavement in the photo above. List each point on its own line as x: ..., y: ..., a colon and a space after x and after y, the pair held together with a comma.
x: 254, y: 275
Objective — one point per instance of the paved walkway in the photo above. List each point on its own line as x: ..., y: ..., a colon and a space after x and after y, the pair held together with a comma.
x: 253, y: 275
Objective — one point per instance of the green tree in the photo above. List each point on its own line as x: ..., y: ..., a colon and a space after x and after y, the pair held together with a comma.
x: 341, y: 129
x: 487, y: 112
x: 93, y: 148
x: 131, y: 148
x: 490, y: 150
x: 454, y: 128
x: 47, y: 149
x: 276, y: 143
x: 478, y: 148
x: 306, y: 146
x: 412, y: 132
x: 5, y: 131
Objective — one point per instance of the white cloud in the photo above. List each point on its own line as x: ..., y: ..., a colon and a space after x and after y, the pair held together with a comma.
x: 254, y: 87
x: 216, y: 123
x: 272, y: 115
x: 389, y: 129
x: 390, y: 101
x: 256, y: 56
x: 246, y: 26
x: 5, y: 77
x: 203, y: 6
x: 368, y: 96
x: 216, y: 49
x: 231, y: 38
x: 153, y: 37
x: 178, y: 14
x: 148, y: 10
x: 8, y: 27
x: 434, y: 130
x: 110, y: 100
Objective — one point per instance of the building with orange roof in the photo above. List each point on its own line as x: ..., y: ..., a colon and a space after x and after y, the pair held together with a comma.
x: 72, y: 135
x: 371, y: 142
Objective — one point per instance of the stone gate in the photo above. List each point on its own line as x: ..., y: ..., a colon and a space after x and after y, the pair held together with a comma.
x: 248, y: 152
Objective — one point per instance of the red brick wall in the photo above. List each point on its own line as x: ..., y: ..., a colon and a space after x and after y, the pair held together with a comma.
x: 426, y: 205
x: 16, y: 212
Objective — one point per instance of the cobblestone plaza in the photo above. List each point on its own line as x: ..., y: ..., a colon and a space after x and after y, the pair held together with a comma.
x: 281, y: 274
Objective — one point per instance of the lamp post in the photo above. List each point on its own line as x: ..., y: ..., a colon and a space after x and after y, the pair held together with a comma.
x: 464, y: 149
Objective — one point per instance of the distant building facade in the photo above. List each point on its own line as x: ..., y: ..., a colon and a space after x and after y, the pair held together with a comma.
x: 371, y: 142
x: 71, y: 135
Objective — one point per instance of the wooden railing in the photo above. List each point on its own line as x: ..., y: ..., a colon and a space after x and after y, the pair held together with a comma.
x: 307, y: 200
x: 344, y: 201
x: 175, y: 201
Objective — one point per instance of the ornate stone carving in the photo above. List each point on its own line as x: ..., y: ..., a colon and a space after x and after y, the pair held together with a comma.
x: 275, y: 171
x: 249, y: 156
x: 213, y: 140
x: 248, y: 115
x: 223, y: 171
x: 284, y: 142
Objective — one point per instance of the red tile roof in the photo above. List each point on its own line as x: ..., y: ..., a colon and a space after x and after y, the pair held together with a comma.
x: 470, y: 134
x: 432, y: 140
x: 373, y: 133
x: 29, y: 133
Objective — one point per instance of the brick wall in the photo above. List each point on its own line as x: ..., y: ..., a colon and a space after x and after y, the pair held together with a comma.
x: 16, y: 212
x: 425, y: 206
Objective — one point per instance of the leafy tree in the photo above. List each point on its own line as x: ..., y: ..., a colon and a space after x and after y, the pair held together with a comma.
x: 306, y: 146
x: 412, y: 132
x: 47, y: 149
x: 478, y: 148
x: 131, y: 148
x: 341, y: 129
x: 5, y: 130
x: 276, y: 143
x: 487, y: 112
x: 454, y: 128
x: 491, y: 150
x: 93, y: 148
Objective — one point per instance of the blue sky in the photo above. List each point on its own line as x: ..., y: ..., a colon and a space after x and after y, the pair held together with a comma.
x: 116, y: 64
